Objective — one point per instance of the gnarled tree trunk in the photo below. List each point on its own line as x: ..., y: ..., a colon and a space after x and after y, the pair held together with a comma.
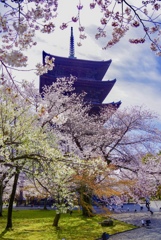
x: 86, y: 201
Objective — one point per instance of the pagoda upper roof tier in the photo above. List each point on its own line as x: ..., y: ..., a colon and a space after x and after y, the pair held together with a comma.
x: 87, y: 69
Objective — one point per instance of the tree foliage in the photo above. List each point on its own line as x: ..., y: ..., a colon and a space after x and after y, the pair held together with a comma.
x: 21, y: 20
x: 109, y: 146
x: 23, y: 141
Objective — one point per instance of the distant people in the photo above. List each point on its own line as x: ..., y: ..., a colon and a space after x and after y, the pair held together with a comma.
x: 70, y: 212
x: 142, y: 223
x: 105, y: 236
x: 148, y: 222
x: 141, y: 208
x: 147, y: 201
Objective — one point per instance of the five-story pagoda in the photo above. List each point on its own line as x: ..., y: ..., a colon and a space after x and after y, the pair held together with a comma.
x: 89, y: 75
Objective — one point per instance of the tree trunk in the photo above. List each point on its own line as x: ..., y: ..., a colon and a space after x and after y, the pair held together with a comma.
x: 1, y: 201
x: 87, y: 206
x: 56, y: 220
x: 45, y: 204
x: 11, y: 201
x: 86, y: 201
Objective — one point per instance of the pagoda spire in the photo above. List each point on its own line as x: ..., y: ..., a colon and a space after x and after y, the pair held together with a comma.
x: 71, y: 51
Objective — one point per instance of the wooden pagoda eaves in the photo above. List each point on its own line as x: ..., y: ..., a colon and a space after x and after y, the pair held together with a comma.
x: 94, y: 70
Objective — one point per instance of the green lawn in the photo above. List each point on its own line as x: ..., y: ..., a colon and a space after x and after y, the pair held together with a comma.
x: 37, y: 225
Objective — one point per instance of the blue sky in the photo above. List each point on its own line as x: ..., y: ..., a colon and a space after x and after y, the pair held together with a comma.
x: 136, y: 68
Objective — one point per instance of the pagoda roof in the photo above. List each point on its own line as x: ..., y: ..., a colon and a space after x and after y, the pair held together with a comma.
x: 96, y: 91
x: 96, y: 108
x: 78, y: 67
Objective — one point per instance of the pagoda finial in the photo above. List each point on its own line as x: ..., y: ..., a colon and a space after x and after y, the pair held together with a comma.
x: 71, y: 53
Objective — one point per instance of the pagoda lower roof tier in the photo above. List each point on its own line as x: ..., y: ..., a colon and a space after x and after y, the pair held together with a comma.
x: 95, y: 91
x: 96, y: 108
x: 77, y: 67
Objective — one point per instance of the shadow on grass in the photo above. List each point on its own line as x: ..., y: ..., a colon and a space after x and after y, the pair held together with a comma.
x: 3, y: 233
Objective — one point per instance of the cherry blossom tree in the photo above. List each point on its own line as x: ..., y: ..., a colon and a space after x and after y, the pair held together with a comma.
x: 120, y: 138
x: 145, y: 172
x: 21, y: 20
x: 23, y: 140
x: 70, y: 180
x: 94, y: 148
x: 64, y: 179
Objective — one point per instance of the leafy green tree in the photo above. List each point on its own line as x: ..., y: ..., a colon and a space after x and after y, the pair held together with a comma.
x: 22, y: 138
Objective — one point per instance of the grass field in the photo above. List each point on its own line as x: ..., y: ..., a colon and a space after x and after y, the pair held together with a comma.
x: 37, y: 225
